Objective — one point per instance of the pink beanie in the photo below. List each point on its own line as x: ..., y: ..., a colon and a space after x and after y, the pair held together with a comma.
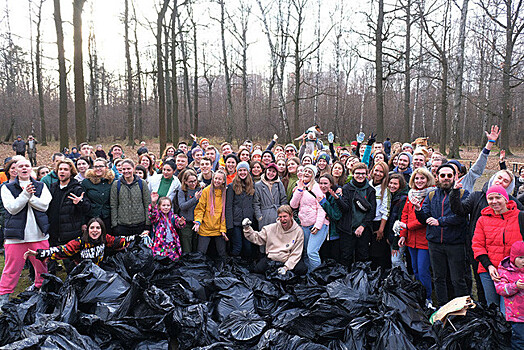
x: 498, y: 189
x: 517, y: 249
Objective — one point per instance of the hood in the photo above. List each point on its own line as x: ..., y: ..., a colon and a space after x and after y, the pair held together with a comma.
x: 109, y: 176
x: 506, y: 263
x: 509, y: 190
x: 267, y: 182
x: 512, y: 210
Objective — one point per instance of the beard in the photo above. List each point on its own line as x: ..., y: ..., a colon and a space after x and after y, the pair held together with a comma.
x: 445, y: 185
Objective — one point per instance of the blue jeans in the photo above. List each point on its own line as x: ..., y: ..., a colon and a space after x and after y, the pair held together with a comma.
x: 312, y: 244
x: 420, y: 262
x: 491, y: 293
x: 398, y: 259
x: 239, y: 243
x: 517, y: 335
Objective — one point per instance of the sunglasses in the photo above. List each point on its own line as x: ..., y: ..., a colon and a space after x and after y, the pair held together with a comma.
x: 443, y: 176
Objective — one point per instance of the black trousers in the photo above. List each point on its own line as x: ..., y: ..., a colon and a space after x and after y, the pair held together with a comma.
x: 453, y: 257
x: 353, y: 248
x: 262, y: 265
x: 129, y: 230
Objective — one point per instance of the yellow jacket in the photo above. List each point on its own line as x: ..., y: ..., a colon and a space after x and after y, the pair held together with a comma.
x: 210, y: 225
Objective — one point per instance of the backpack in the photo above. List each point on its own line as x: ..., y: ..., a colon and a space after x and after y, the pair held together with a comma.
x: 521, y: 223
x: 119, y: 184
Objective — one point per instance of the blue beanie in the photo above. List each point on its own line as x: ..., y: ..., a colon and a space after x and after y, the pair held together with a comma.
x: 324, y: 156
x: 244, y: 165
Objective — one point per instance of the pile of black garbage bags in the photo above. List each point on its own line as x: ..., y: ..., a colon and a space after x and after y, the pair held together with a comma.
x: 139, y: 301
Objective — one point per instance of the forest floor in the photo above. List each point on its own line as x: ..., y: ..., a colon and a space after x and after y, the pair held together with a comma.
x: 468, y: 154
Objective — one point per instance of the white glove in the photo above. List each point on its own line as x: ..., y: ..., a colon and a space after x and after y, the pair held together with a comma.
x: 246, y: 222
x: 282, y: 270
x: 331, y: 137
x: 360, y: 137
x: 397, y: 226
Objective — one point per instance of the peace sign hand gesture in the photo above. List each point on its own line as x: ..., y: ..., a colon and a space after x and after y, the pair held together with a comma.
x: 76, y: 199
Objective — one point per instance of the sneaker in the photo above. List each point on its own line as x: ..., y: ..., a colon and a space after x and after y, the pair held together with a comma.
x: 429, y: 305
x: 32, y: 288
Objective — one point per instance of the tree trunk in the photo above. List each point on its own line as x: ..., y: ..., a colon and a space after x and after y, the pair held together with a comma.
x: 160, y: 78
x: 444, y: 105
x: 94, y: 130
x: 80, y: 101
x: 457, y: 99
x: 187, y: 92
x: 43, y: 131
x: 64, y: 135
x: 129, y: 80
x: 169, y: 105
x: 407, y: 76
x: 195, y: 80
x: 229, y: 117
x: 174, y: 79
x: 139, y: 82
x: 379, y: 74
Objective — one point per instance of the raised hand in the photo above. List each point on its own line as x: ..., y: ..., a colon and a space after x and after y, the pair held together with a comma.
x: 360, y: 137
x: 154, y: 197
x: 331, y: 137
x: 494, y: 134
x: 371, y: 139
x: 502, y: 156
x: 76, y: 199
x: 458, y: 184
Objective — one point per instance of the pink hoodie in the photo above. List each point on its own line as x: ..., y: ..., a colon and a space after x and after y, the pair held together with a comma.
x: 310, y: 212
x: 513, y: 297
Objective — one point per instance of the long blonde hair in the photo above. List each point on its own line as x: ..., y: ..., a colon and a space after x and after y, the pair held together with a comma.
x: 212, y: 194
x: 385, y: 170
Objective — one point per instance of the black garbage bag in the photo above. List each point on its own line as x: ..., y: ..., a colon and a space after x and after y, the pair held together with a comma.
x: 58, y: 335
x: 11, y: 326
x: 68, y: 307
x: 99, y: 292
x: 357, y: 298
x: 138, y: 257
x: 237, y: 297
x: 51, y: 283
x: 288, y: 278
x: 158, y: 300
x: 242, y: 326
x: 274, y: 339
x: 29, y: 304
x: 392, y: 336
x: 481, y: 328
x: 308, y: 294
x: 191, y: 326
x: 327, y: 272
x: 152, y: 345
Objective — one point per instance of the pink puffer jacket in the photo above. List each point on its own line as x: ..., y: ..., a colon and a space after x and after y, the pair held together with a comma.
x: 513, y: 297
x: 310, y: 212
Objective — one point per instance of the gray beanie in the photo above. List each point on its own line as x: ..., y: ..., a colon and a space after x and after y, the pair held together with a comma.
x: 244, y: 165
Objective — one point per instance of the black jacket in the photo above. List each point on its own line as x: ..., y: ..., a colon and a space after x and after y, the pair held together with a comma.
x: 473, y: 205
x: 238, y: 207
x: 346, y: 205
x: 65, y: 218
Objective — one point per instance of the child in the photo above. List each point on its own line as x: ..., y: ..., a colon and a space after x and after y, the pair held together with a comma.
x: 91, y: 245
x: 510, y: 285
x: 165, y: 223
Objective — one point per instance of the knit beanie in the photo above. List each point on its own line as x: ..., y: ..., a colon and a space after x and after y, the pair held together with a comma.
x: 272, y: 165
x: 312, y: 168
x: 517, y: 249
x: 231, y: 155
x: 290, y: 145
x: 407, y: 144
x: 324, y: 156
x: 270, y: 153
x: 203, y: 139
x: 307, y: 155
x: 498, y: 189
x: 456, y: 163
x: 244, y: 165
x: 256, y: 152
x: 409, y: 155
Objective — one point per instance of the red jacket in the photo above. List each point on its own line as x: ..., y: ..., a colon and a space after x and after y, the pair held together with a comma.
x: 416, y: 232
x: 494, y: 235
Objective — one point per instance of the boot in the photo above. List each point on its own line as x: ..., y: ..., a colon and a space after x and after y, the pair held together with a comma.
x: 4, y: 299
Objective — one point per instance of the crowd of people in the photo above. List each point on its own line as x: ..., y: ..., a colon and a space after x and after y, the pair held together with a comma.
x: 390, y: 204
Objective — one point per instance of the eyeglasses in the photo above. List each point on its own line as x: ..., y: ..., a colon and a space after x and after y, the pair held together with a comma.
x: 99, y: 166
x: 443, y: 176
x: 359, y: 174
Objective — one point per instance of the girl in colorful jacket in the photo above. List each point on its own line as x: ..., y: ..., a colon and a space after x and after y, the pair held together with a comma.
x: 511, y: 287
x: 165, y: 224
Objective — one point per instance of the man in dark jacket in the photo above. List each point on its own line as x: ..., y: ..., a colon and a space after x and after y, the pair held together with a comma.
x: 19, y: 146
x: 68, y: 208
x: 358, y: 205
x: 472, y: 205
x: 446, y: 234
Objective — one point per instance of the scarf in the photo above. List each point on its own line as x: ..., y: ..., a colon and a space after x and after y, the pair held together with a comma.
x: 419, y: 195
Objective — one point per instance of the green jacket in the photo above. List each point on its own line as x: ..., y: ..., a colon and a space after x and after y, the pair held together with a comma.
x: 333, y: 213
x: 50, y: 179
x: 130, y: 205
x: 98, y: 190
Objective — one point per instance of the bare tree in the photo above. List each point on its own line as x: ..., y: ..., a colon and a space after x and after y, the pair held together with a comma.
x: 64, y: 134
x: 230, y: 115
x: 140, y: 123
x: 43, y: 131
x: 80, y: 102
x: 129, y: 80
x: 459, y: 75
x: 160, y: 78
x: 174, y: 80
x: 94, y: 130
